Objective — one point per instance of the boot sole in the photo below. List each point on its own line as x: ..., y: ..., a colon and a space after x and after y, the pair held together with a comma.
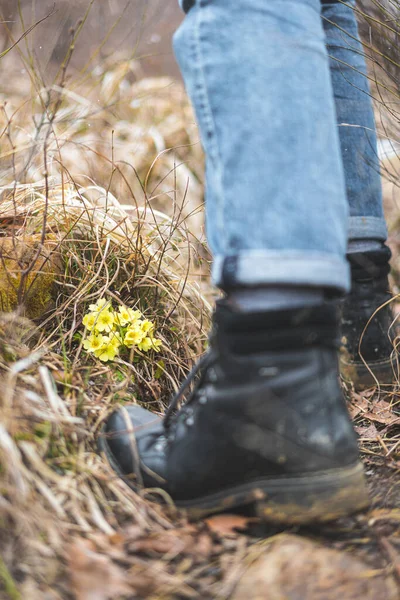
x: 361, y: 377
x: 317, y: 497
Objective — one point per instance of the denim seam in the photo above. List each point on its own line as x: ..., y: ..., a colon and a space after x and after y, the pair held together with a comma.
x: 205, y: 105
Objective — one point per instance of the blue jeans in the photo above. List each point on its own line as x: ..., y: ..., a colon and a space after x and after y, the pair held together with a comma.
x: 285, y: 117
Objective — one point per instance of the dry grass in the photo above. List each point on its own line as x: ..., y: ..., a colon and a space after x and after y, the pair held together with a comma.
x: 53, y: 396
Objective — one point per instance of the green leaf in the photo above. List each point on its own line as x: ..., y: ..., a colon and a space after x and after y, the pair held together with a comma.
x: 119, y: 376
x: 160, y: 369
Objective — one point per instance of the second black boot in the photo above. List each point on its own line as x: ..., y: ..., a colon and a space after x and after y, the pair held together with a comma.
x: 265, y: 424
x: 367, y: 354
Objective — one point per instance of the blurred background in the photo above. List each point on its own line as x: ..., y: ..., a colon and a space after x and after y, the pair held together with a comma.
x: 106, y: 68
x: 142, y: 28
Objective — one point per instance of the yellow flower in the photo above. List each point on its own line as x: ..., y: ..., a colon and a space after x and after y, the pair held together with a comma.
x: 98, y: 306
x: 147, y: 326
x: 89, y: 321
x: 149, y: 343
x: 134, y: 336
x: 105, y: 340
x: 94, y: 343
x: 114, y: 339
x: 127, y: 315
x: 105, y: 321
x: 106, y: 353
x: 145, y: 344
x: 156, y: 344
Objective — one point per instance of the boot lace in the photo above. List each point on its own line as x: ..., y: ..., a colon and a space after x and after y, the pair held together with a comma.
x: 203, y: 367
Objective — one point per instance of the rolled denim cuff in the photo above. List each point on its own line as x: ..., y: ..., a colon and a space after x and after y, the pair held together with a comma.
x: 275, y: 267
x: 371, y: 228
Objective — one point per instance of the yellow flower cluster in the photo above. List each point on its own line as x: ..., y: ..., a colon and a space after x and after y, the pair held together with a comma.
x: 112, y: 330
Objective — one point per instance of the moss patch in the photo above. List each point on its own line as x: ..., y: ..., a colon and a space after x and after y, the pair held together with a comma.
x: 27, y: 273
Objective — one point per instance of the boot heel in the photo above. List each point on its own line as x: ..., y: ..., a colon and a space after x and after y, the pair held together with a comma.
x: 362, y: 378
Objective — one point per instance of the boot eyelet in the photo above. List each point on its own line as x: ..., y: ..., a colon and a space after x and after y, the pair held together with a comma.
x: 160, y: 445
x: 189, y: 421
x: 268, y: 371
x: 212, y: 376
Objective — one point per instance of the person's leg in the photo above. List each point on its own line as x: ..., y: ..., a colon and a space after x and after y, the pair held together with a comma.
x: 266, y: 422
x: 367, y: 254
x: 355, y: 118
x: 261, y: 89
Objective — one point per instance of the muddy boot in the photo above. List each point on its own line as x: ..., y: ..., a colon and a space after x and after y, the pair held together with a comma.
x: 366, y: 354
x: 266, y: 424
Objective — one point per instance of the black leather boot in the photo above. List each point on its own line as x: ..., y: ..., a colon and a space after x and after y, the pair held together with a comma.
x: 266, y: 424
x: 366, y: 354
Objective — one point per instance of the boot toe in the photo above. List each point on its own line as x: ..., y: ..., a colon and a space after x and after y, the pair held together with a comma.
x: 133, y: 442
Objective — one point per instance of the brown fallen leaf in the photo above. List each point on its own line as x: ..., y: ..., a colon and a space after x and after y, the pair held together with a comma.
x: 186, y: 540
x: 369, y: 393
x: 294, y: 568
x: 228, y: 524
x: 369, y: 432
x: 165, y: 542
x: 94, y: 576
x: 385, y: 417
x: 358, y: 405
